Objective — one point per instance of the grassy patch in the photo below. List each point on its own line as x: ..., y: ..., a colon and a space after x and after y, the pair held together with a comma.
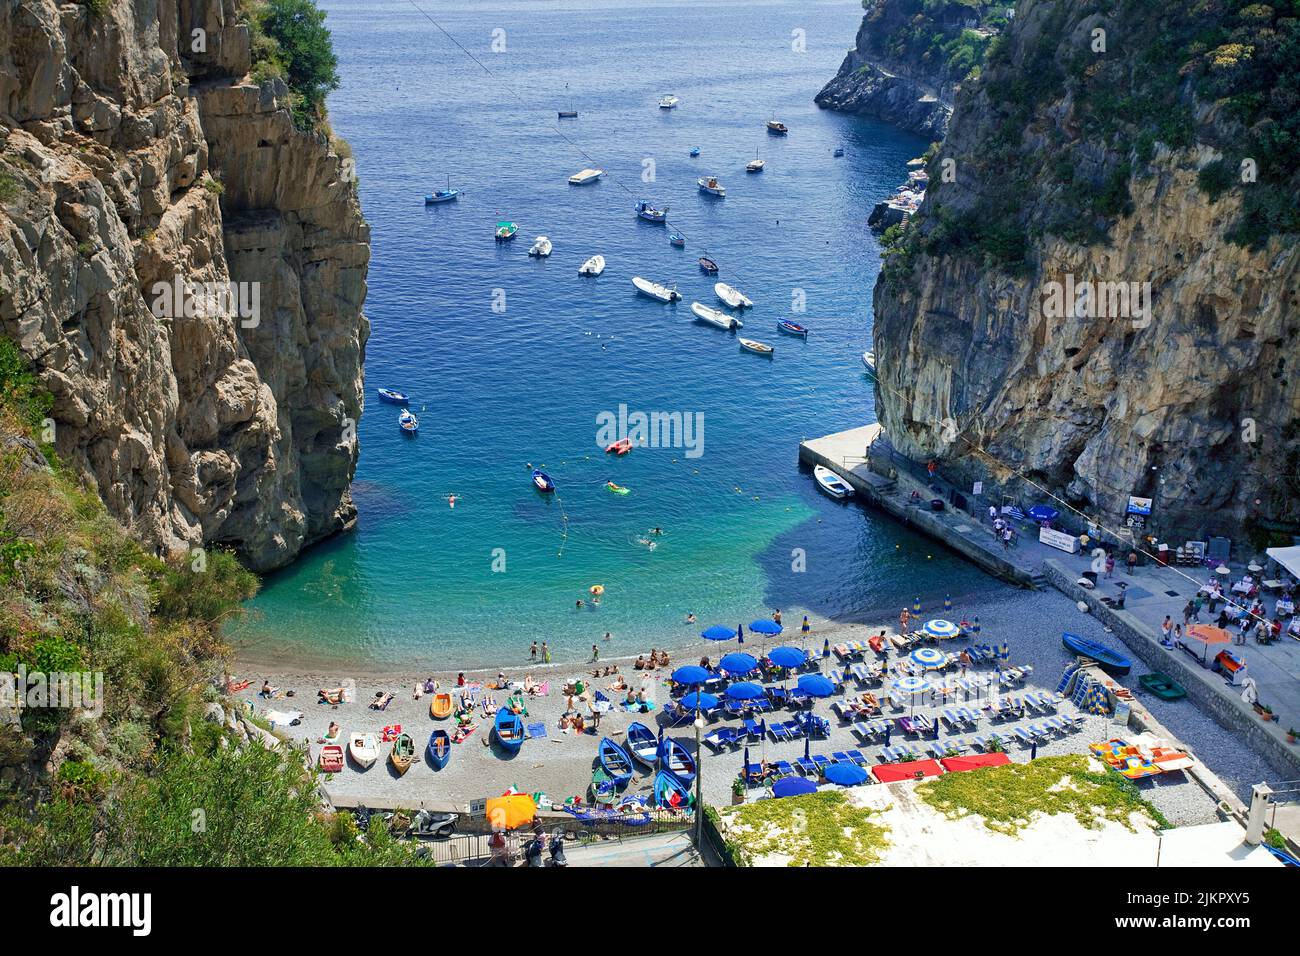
x: 818, y: 829
x: 1008, y: 797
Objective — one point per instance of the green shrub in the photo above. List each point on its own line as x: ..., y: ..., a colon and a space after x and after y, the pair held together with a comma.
x: 290, y: 40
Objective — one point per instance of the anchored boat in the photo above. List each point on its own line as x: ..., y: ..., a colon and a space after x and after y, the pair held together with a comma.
x: 542, y: 480
x: 585, y: 176
x: 677, y: 239
x: 506, y: 230
x: 394, y: 396
x: 407, y: 422
x: 592, y: 267
x: 758, y: 348
x: 541, y: 247
x: 656, y: 290
x: 715, y: 317
x: 669, y: 102
x: 710, y: 185
x: 647, y: 211
x: 708, y: 265
x: 779, y: 129
x: 755, y: 166
x: 792, y: 328
x: 733, y: 296
x: 831, y: 483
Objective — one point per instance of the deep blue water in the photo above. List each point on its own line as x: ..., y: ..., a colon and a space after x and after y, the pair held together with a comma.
x: 496, y: 390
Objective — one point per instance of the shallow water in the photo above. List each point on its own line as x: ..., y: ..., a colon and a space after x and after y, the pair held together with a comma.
x: 422, y: 583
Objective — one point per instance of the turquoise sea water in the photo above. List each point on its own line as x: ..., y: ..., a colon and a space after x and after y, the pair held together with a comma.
x: 420, y: 583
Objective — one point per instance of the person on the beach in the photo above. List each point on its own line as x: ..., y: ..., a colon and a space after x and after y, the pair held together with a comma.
x: 776, y: 616
x: 1110, y: 564
x: 903, y: 620
x: 419, y: 690
x: 1166, y: 628
x: 993, y: 513
x: 704, y: 662
x: 1132, y: 561
x: 333, y: 732
x: 460, y: 679
x: 546, y: 653
x: 1187, y: 613
x: 639, y: 663
x: 267, y: 690
x: 595, y: 652
x: 663, y: 658
x: 654, y: 659
x: 430, y: 685
x: 532, y: 652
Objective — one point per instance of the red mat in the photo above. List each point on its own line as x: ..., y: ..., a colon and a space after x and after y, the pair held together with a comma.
x: 974, y: 762
x: 894, y: 772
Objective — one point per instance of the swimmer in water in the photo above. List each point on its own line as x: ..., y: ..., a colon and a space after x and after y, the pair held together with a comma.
x: 656, y: 530
x: 451, y: 501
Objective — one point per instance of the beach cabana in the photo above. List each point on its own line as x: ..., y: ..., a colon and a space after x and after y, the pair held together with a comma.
x: 907, y: 770
x: 739, y: 663
x: 973, y: 762
x: 788, y: 657
x: 718, y: 632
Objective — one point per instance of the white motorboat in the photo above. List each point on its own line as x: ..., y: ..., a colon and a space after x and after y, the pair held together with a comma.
x: 831, y: 483
x: 710, y: 185
x: 592, y: 267
x: 758, y: 348
x: 363, y: 749
x: 732, y: 296
x: 869, y: 360
x: 585, y: 176
x: 669, y: 102
x: 755, y: 166
x: 715, y: 317
x: 540, y: 248
x: 656, y: 290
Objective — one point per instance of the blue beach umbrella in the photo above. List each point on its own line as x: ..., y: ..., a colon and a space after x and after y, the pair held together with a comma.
x: 745, y: 690
x: 941, y: 628
x: 793, y: 787
x: 788, y: 657
x: 1043, y: 513
x: 744, y: 767
x: 691, y: 674
x: 764, y: 626
x: 696, y: 700
x: 806, y: 747
x: 718, y: 633
x: 814, y: 685
x: 929, y: 657
x: 845, y: 774
x: 739, y: 663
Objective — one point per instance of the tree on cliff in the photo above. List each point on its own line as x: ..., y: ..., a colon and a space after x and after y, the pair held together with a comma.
x: 291, y: 36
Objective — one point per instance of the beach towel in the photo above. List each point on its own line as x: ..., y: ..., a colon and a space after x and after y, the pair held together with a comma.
x: 391, y: 732
x: 537, y: 730
x: 288, y: 718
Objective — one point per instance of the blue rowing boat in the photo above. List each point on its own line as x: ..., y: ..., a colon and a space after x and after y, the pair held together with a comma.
x: 1110, y: 661
x: 442, y: 195
x: 614, y: 760
x: 642, y: 743
x: 407, y: 422
x: 677, y: 239
x: 651, y: 213
x: 677, y: 760
x: 439, y: 749
x: 542, y: 481
x: 509, y: 730
x: 671, y: 792
x: 394, y: 396
x: 792, y: 328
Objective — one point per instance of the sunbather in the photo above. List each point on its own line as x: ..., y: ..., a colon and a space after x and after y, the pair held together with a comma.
x: 330, y: 695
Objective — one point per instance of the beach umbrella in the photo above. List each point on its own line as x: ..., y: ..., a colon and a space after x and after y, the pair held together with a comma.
x: 845, y: 774
x: 740, y: 634
x: 788, y: 657
x: 690, y: 674
x: 511, y: 811
x: 744, y: 767
x: 910, y: 685
x: 738, y: 663
x: 929, y: 657
x: 744, y: 690
x: 941, y: 628
x: 975, y: 626
x: 826, y: 647
x: 806, y: 747
x: 805, y: 627
x: 1004, y: 652
x: 1207, y: 635
x: 793, y: 787
x: 1254, y: 568
x: 718, y: 633
x: 697, y: 701
x: 814, y: 685
x: 1223, y: 569
x: 1043, y: 513
x: 1033, y: 750
x: 765, y: 626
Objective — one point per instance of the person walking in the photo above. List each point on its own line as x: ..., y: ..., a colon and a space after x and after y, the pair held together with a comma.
x: 1197, y: 601
x: 1166, y: 629
x: 993, y: 514
x: 1187, y: 613
x: 546, y: 653
x: 595, y: 653
x: 1110, y: 564
x: 1132, y: 561
x: 532, y: 652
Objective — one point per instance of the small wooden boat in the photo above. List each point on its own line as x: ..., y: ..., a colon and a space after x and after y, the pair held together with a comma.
x: 440, y: 706
x: 567, y: 114
x: 363, y: 749
x: 509, y: 730
x: 695, y: 151
x: 677, y: 760
x: 708, y: 265
x: 408, y: 423
x: 710, y: 185
x: 647, y: 211
x: 1112, y: 662
x: 1163, y: 686
x: 732, y: 296
x: 779, y: 129
x: 671, y: 793
x: 506, y: 230
x: 668, y: 102
x: 442, y: 195
x: 715, y: 317
x: 541, y: 247
x: 642, y: 743
x: 331, y: 758
x: 620, y: 447
x: 758, y: 348
x: 792, y: 328
x: 592, y: 267
x: 614, y: 760
x: 438, y: 751
x: 617, y: 489
x: 831, y: 483
x: 677, y: 239
x: 542, y: 481
x: 393, y: 395
x: 656, y: 290
x: 755, y: 166
x: 582, y: 177
x: 403, y: 753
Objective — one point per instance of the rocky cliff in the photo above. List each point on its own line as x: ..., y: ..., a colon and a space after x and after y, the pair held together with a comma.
x: 186, y: 270
x: 1101, y: 291
x: 909, y: 59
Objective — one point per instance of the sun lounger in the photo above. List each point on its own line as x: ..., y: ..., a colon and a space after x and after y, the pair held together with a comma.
x: 843, y: 711
x: 722, y: 737
x: 859, y: 672
x: 783, y: 768
x: 892, y: 754
x: 856, y: 756
x: 971, y: 717
x: 952, y: 718
x: 807, y: 766
x: 778, y: 731
x: 905, y: 725
x: 840, y: 756
x: 752, y: 729
x: 863, y: 730
x: 922, y: 724
x: 1025, y: 737
x: 753, y: 774
x: 836, y: 677
x: 777, y: 695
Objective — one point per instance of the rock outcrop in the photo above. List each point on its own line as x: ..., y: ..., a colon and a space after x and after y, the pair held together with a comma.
x: 1178, y: 380
x: 908, y: 61
x: 137, y: 161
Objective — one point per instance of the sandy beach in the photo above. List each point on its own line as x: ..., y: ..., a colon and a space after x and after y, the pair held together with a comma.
x: 560, y: 764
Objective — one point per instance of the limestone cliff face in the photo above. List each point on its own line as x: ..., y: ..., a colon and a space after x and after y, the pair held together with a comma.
x: 1195, y: 403
x: 905, y: 65
x: 136, y: 154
